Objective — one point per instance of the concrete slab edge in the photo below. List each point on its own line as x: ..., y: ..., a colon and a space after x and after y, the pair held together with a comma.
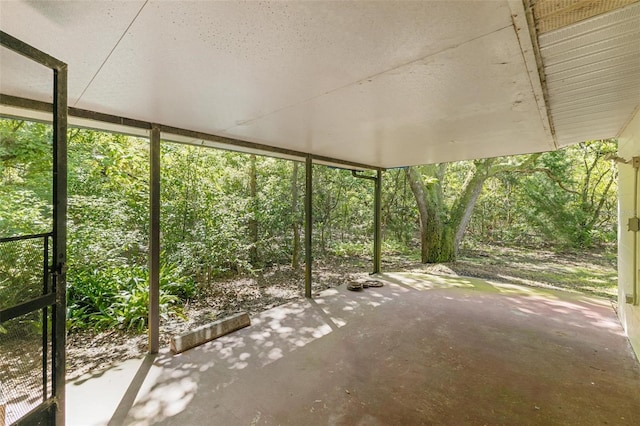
x: 208, y: 332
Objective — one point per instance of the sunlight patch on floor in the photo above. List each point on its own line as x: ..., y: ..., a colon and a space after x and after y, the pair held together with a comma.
x: 422, y: 281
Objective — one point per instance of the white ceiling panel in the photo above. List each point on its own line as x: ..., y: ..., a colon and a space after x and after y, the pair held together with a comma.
x: 252, y: 59
x: 23, y: 77
x: 446, y: 107
x: 80, y: 33
x: 382, y: 83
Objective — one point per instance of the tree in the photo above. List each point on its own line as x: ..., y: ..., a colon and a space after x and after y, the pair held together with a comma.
x: 573, y: 194
x: 25, y: 177
x: 108, y: 200
x: 342, y: 211
x: 398, y: 210
x: 295, y: 223
x: 442, y: 226
x: 446, y: 194
x: 253, y: 221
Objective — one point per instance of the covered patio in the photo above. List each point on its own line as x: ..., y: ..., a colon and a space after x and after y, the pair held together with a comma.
x: 364, y: 86
x: 423, y: 349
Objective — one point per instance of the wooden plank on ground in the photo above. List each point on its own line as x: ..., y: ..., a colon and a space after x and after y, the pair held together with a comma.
x: 208, y: 332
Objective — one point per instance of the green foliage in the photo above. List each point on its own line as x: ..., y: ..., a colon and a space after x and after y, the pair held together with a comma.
x: 204, y: 210
x: 207, y: 210
x: 574, y: 203
x: 342, y: 209
x: 21, y: 279
x: 215, y: 222
x: 499, y: 216
x: 25, y: 177
x: 350, y: 249
x: 399, y: 212
x: 108, y: 200
x: 20, y: 271
x: 118, y: 297
x: 567, y: 198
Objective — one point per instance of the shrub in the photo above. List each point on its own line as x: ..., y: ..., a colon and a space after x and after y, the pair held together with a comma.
x: 118, y: 297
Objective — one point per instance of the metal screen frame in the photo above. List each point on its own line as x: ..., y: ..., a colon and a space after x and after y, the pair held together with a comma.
x: 52, y: 410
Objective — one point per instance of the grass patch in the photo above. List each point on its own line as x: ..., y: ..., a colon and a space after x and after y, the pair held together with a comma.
x: 593, y: 272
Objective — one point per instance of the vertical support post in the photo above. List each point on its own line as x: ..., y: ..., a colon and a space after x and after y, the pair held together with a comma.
x: 377, y: 226
x: 154, y: 241
x: 308, y: 226
x: 59, y: 238
x: 636, y: 273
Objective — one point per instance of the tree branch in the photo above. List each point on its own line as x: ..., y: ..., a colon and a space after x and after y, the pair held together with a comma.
x: 551, y: 176
x: 502, y: 168
x: 18, y: 125
x: 596, y: 214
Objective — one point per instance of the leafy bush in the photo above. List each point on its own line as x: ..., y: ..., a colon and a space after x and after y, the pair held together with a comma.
x: 118, y: 297
x: 351, y: 248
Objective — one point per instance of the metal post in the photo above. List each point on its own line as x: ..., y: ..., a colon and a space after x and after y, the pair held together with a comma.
x: 154, y: 242
x: 377, y: 234
x: 308, y: 227
x: 59, y: 237
x: 636, y: 274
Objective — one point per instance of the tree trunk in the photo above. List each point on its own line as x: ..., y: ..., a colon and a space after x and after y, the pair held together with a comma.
x: 463, y: 207
x: 417, y: 187
x: 295, y: 263
x: 253, y: 222
x: 440, y: 236
x: 436, y: 237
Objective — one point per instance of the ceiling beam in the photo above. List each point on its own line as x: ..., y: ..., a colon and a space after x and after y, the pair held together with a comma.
x: 85, y: 118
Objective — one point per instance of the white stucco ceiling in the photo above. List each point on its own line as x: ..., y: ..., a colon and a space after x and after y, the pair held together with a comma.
x: 381, y: 83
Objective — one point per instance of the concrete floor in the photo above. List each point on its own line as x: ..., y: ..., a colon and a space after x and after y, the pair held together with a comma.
x: 420, y: 350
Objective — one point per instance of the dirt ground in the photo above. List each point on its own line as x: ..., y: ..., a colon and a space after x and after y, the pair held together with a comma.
x: 592, y: 273
x: 89, y: 351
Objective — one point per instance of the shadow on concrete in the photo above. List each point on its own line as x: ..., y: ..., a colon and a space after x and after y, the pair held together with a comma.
x: 422, y: 349
x: 129, y: 397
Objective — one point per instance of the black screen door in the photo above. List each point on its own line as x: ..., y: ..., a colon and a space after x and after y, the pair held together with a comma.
x: 32, y: 280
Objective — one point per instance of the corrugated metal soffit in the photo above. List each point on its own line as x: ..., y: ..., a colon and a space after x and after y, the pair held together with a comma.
x: 591, y: 66
x: 553, y: 14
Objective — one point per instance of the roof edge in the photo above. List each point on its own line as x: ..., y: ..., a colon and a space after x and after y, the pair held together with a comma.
x: 524, y: 27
